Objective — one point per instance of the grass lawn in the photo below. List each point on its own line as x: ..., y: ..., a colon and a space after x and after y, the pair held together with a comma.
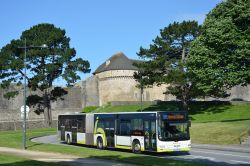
x: 14, y: 139
x: 9, y: 160
x: 218, y: 132
x: 220, y: 124
x: 211, y: 124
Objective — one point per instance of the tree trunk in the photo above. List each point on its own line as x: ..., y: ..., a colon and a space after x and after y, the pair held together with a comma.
x: 184, y: 93
x: 47, y: 110
x: 48, y: 117
x: 184, y: 105
x: 184, y: 102
x: 184, y: 98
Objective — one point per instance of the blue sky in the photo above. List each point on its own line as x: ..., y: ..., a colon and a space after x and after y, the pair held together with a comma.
x: 97, y: 28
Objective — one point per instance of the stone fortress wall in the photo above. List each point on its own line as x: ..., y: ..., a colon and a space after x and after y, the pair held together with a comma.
x: 119, y: 85
x: 95, y: 91
x: 108, y: 85
x: 240, y: 93
x: 90, y: 91
x: 10, y: 115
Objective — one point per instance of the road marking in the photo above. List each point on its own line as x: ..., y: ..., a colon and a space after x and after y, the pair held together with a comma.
x: 243, y: 162
x: 54, y: 159
x: 186, y: 157
x: 204, y: 146
x: 201, y: 157
x: 221, y: 154
x: 190, y: 157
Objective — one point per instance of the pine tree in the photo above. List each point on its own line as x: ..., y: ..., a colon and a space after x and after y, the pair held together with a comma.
x: 44, y: 65
x: 166, y: 60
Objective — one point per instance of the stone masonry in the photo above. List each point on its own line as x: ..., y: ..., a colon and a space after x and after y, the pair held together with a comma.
x: 10, y: 115
x: 111, y: 82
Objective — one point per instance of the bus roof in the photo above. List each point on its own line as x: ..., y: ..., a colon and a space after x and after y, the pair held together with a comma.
x: 81, y: 113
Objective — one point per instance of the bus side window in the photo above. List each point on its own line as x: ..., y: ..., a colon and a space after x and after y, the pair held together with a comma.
x: 74, y: 122
x: 100, y: 124
x: 68, y: 124
x: 81, y: 125
x: 60, y: 123
x: 125, y: 128
x: 137, y: 124
x: 146, y: 125
x: 83, y: 121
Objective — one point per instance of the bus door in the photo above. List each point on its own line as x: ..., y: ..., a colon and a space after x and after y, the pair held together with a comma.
x: 110, y: 132
x: 74, y: 134
x: 62, y: 133
x: 150, y: 134
x: 74, y: 131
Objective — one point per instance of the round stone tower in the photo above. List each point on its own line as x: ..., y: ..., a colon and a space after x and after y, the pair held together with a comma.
x: 116, y: 82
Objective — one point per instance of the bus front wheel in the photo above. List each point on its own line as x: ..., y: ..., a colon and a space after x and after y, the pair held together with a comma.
x: 136, y: 147
x: 99, y: 143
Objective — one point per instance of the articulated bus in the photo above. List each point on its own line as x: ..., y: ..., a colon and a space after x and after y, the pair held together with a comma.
x: 137, y: 131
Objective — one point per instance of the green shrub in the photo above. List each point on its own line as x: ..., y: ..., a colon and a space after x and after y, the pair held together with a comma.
x: 89, y: 109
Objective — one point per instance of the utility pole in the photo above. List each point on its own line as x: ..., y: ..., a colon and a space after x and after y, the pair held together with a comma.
x: 24, y: 97
x: 25, y: 87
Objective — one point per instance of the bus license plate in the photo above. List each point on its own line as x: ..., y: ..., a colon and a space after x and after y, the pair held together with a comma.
x: 177, y: 147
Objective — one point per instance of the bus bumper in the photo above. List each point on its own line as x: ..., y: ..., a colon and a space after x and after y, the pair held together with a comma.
x: 173, y: 146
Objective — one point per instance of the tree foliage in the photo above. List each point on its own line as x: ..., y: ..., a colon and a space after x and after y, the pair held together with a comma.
x: 44, y: 65
x: 165, y: 60
x: 220, y: 57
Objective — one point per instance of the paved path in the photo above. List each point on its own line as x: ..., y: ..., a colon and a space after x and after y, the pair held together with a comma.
x: 58, y: 158
x: 235, y: 155
x: 247, y: 142
x: 216, y: 157
x: 230, y: 148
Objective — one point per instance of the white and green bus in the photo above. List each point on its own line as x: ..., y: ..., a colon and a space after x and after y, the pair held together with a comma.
x: 137, y: 131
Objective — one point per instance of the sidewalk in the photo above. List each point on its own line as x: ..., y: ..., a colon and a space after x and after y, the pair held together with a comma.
x: 233, y: 148
x: 58, y: 158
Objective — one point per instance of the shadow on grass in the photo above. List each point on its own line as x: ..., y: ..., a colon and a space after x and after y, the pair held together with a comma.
x: 161, y: 107
x: 146, y: 158
x: 34, y: 144
x: 195, y: 107
x: 33, y: 163
x: 157, y: 160
x: 209, y: 107
x: 235, y: 120
x: 107, y: 160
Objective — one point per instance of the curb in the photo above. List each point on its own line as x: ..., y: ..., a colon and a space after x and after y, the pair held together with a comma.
x: 231, y: 148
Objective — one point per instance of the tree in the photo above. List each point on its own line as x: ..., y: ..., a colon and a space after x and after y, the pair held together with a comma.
x: 166, y: 60
x: 44, y: 65
x: 220, y: 57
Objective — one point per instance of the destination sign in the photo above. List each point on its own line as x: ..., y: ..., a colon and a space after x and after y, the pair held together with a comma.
x: 139, y: 133
x: 173, y: 117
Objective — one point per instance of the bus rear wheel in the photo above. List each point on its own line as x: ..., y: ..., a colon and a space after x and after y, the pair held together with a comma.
x: 136, y: 148
x: 99, y: 143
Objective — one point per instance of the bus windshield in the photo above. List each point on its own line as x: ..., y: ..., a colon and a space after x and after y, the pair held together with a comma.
x: 173, y: 131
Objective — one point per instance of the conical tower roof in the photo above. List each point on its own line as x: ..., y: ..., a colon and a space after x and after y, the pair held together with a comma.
x: 118, y: 61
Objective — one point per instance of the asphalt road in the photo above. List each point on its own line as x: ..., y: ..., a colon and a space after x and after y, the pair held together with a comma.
x: 222, y: 157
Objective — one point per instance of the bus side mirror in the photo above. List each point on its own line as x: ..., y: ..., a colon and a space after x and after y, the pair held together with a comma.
x: 189, y: 123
